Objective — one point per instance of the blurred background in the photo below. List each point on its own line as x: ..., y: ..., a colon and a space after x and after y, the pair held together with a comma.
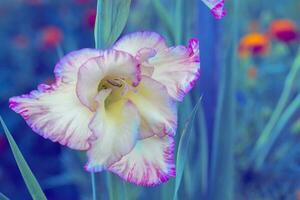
x: 243, y: 143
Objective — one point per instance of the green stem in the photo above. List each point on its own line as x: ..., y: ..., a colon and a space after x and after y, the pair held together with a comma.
x: 93, y: 185
x: 283, y: 100
x: 286, y: 115
x: 221, y: 174
x: 110, y: 186
x: 3, y: 197
x: 178, y: 22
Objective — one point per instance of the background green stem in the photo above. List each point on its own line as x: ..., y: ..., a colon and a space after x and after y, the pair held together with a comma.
x: 285, y: 117
x: 263, y: 139
x: 221, y: 183
x: 93, y: 185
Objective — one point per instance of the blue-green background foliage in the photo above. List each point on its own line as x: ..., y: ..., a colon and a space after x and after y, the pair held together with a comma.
x: 224, y: 150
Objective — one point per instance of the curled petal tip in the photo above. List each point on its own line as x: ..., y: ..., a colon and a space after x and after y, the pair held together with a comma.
x: 218, y: 10
x: 216, y: 7
x: 148, y: 169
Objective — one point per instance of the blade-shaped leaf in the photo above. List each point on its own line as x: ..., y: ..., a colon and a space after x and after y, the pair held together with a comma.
x: 110, y: 21
x: 29, y: 179
x: 165, y: 18
x: 116, y: 187
x: 3, y: 197
x: 221, y: 172
x: 183, y: 147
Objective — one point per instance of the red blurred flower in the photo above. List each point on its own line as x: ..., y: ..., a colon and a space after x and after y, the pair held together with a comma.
x: 283, y: 30
x: 3, y: 143
x: 83, y: 1
x: 252, y: 72
x: 20, y: 41
x: 34, y: 2
x: 90, y: 18
x: 51, y: 36
x: 254, y: 44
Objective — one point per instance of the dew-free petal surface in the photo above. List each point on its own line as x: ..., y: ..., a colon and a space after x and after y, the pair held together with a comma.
x: 67, y: 68
x: 112, y: 63
x: 156, y: 107
x: 177, y: 68
x: 151, y: 162
x: 56, y: 113
x: 117, y: 127
x: 134, y: 42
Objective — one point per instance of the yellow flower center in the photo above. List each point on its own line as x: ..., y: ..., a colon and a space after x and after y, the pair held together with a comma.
x: 119, y: 88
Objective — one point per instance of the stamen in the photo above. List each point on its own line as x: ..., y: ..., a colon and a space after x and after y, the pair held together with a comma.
x: 119, y: 86
x: 115, y: 82
x: 127, y: 87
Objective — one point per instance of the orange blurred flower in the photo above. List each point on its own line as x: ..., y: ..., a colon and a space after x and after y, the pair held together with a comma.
x: 252, y: 72
x: 283, y: 30
x: 51, y: 36
x: 254, y: 44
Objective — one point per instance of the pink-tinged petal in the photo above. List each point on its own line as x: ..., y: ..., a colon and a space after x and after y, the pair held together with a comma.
x: 156, y: 107
x: 67, y: 68
x: 177, y: 68
x: 112, y: 63
x: 216, y: 7
x: 55, y: 113
x: 143, y: 56
x: 151, y: 162
x: 134, y: 42
x: 116, y: 125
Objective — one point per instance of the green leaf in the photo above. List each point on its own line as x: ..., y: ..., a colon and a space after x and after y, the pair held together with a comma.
x: 266, y: 135
x: 3, y: 197
x: 110, y: 21
x: 221, y: 170
x: 285, y: 117
x: 165, y: 18
x: 93, y: 180
x: 203, y: 154
x: 116, y: 187
x: 179, y: 21
x: 184, y: 146
x: 30, y: 181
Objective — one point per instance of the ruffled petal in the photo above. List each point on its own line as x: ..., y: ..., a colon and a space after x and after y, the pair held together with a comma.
x: 134, y: 42
x: 116, y: 126
x: 156, y: 107
x: 67, y: 68
x: 216, y: 7
x: 177, y: 68
x: 151, y: 162
x: 55, y: 113
x: 111, y: 63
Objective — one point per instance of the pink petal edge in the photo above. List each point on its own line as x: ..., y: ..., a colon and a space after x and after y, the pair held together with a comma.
x: 44, y: 88
x: 218, y: 10
x: 168, y: 155
x: 193, y: 48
